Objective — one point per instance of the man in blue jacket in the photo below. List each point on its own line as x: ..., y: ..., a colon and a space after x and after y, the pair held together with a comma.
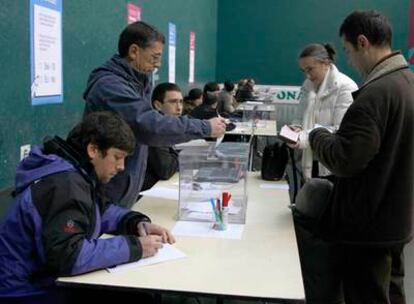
x: 123, y: 85
x: 53, y: 226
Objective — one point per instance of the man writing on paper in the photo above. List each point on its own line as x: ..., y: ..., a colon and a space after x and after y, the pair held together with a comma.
x: 59, y: 212
x: 370, y: 215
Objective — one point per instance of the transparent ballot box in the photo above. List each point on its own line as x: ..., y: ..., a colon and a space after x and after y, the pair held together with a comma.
x: 207, y: 174
x: 257, y: 111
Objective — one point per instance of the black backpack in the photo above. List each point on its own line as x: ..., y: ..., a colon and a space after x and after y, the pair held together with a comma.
x: 274, y: 160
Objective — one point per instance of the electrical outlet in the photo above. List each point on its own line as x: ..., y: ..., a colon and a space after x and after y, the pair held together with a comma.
x: 24, y: 151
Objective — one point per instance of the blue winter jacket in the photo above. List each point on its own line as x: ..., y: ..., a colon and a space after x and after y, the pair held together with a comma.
x: 53, y: 226
x: 116, y: 86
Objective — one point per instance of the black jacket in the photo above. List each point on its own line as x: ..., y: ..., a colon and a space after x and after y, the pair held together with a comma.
x: 372, y: 156
x: 161, y: 165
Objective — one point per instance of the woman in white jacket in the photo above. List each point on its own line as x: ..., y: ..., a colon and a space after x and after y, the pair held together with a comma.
x: 325, y: 97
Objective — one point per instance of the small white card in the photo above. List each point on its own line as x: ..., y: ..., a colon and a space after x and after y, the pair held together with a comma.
x: 288, y: 134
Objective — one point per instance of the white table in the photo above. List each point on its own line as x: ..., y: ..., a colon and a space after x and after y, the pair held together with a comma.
x: 256, y: 106
x: 264, y: 264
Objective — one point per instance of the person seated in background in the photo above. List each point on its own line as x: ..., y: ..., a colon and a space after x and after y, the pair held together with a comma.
x: 240, y: 85
x: 192, y: 100
x: 162, y: 162
x: 226, y: 101
x: 212, y: 87
x: 53, y: 226
x: 208, y: 109
x: 245, y: 90
x: 210, y: 100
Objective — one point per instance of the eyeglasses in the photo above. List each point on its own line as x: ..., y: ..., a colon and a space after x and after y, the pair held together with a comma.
x: 176, y: 102
x: 154, y: 57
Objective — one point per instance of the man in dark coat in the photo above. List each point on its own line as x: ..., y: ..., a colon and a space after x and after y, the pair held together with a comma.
x: 370, y: 214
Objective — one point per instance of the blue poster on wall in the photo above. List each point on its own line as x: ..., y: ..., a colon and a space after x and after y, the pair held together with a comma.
x: 46, y: 51
x: 172, y: 39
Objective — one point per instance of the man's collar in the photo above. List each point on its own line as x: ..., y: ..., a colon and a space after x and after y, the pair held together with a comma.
x: 387, y: 64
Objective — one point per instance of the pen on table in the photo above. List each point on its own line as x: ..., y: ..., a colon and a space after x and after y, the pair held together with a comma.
x: 214, y: 209
x: 220, y: 203
x: 226, y: 198
x: 143, y: 231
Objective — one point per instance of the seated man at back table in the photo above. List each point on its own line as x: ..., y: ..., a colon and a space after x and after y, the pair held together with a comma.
x: 53, y: 226
x: 208, y: 109
x: 162, y: 162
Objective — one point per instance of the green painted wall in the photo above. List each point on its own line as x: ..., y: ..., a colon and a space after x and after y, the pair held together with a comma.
x: 262, y: 39
x: 259, y: 38
x: 90, y: 35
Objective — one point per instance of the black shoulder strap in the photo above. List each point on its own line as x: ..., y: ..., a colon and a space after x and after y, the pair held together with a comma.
x: 294, y: 171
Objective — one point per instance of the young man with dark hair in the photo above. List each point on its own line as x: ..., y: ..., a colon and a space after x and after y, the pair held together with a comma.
x: 192, y: 100
x: 211, y: 86
x: 163, y: 161
x: 58, y: 214
x: 123, y: 85
x: 370, y: 215
x: 208, y: 108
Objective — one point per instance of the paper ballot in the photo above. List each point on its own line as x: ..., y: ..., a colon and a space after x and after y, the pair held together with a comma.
x: 166, y: 253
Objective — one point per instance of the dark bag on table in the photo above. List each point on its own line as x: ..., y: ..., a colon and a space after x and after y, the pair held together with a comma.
x: 274, y: 160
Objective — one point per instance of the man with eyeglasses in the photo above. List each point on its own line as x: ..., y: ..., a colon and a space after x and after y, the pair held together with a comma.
x: 123, y: 85
x: 162, y: 162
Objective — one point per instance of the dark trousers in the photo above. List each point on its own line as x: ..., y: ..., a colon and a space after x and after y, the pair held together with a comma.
x: 373, y: 275
x: 321, y: 264
x: 354, y: 274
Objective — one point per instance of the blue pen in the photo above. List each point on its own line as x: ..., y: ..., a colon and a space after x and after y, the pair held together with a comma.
x: 214, y: 209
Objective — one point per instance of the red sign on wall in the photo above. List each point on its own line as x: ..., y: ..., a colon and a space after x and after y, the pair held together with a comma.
x: 134, y: 13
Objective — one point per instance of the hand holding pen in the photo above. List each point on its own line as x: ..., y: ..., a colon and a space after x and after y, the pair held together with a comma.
x: 147, y: 228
